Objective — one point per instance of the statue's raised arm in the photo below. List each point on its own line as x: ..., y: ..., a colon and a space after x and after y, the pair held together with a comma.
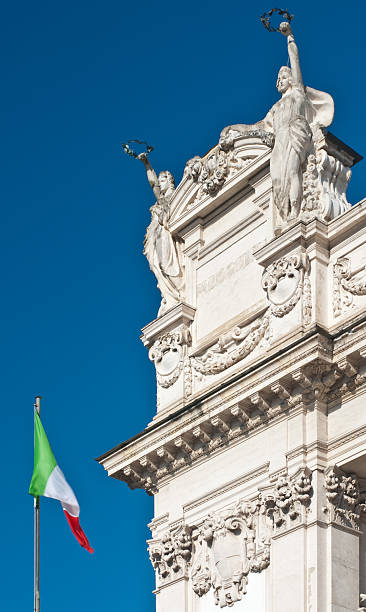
x: 293, y: 52
x: 151, y: 175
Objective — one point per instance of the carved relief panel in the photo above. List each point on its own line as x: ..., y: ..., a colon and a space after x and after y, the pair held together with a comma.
x: 220, y: 551
x: 227, y: 548
x: 286, y: 283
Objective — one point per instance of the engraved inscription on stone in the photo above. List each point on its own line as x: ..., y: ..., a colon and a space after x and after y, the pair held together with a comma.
x: 224, y: 273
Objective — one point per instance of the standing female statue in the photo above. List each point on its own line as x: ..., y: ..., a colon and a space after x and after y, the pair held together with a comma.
x: 292, y: 120
x: 159, y: 246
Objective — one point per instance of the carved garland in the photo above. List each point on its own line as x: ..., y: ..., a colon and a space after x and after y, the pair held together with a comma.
x: 218, y: 359
x: 170, y: 555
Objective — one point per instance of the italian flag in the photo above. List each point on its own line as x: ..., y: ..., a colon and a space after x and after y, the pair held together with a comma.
x: 48, y: 480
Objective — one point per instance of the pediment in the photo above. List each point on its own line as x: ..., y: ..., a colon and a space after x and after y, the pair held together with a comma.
x: 207, y: 180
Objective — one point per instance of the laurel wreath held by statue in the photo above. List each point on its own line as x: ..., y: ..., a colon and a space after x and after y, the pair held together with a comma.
x: 266, y: 18
x: 127, y: 149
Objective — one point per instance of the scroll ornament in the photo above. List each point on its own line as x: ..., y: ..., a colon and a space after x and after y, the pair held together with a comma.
x: 168, y: 356
x: 325, y: 183
x: 346, y: 284
x: 284, y: 283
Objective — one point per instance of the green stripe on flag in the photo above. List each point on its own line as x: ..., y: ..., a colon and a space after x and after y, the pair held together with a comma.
x: 44, y: 460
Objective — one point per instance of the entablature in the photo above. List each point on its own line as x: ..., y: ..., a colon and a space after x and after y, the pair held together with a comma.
x: 240, y: 407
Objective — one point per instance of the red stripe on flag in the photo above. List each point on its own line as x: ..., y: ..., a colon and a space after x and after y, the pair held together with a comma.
x: 78, y: 532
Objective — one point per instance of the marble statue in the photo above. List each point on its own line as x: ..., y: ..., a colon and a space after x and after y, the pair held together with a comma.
x: 294, y: 121
x: 161, y: 249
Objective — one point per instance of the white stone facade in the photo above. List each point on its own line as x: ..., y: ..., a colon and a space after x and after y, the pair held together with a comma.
x: 256, y: 456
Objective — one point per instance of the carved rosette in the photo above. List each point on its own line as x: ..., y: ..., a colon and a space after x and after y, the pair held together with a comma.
x: 220, y: 552
x: 345, y: 502
x: 346, y: 284
x: 167, y: 353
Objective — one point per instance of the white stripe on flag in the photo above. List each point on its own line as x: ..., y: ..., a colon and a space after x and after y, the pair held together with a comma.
x: 58, y: 488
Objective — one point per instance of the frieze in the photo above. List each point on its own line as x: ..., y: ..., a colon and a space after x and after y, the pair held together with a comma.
x: 285, y: 281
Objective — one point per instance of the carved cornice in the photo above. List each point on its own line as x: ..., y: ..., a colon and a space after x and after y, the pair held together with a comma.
x: 225, y: 423
x: 172, y: 320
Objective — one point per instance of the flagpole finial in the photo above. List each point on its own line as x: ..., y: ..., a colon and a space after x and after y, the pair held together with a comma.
x: 37, y: 403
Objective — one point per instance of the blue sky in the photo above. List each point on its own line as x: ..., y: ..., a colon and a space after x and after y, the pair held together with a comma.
x: 78, y: 78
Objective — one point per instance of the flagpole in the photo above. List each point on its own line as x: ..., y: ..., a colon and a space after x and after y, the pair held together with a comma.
x: 37, y: 600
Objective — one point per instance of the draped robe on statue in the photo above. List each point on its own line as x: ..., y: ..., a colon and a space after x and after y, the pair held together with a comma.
x: 291, y: 120
x: 160, y: 250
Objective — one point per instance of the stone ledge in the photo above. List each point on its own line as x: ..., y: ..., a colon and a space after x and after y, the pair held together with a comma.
x: 193, y: 437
